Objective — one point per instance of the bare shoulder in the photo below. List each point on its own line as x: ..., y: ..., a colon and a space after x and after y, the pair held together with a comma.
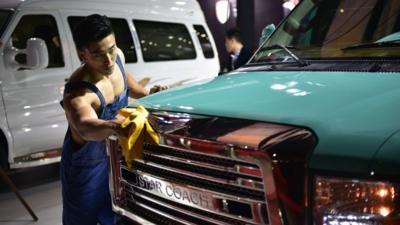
x: 77, y: 75
x: 77, y: 96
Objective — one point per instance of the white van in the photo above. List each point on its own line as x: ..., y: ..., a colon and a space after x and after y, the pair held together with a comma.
x: 164, y: 41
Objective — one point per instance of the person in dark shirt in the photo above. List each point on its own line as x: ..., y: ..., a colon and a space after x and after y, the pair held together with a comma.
x: 238, y: 53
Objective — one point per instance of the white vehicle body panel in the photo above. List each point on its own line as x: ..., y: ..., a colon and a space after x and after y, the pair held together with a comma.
x: 32, y: 118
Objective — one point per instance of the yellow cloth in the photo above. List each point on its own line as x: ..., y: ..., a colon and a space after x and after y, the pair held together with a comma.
x: 140, y: 131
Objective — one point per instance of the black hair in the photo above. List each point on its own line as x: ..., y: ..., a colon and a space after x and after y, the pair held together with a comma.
x: 233, y: 33
x: 92, y: 28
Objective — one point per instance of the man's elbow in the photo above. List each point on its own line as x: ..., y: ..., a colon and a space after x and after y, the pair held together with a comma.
x: 84, y: 130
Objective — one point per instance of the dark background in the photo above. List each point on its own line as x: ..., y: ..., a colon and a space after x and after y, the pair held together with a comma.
x: 252, y: 17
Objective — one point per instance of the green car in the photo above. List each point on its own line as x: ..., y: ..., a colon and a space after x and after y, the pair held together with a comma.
x: 307, y: 132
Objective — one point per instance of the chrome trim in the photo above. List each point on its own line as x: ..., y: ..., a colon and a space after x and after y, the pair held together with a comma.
x: 111, y: 176
x: 37, y: 159
x: 40, y: 162
x: 126, y: 213
x: 113, y: 138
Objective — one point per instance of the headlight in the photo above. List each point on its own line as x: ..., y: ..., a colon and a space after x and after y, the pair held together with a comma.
x: 355, y: 202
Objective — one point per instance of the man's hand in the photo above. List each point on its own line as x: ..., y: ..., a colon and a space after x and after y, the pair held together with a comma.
x: 116, y: 126
x: 157, y: 88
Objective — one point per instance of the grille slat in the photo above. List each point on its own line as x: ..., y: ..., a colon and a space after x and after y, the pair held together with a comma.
x: 189, y: 167
x: 149, y: 214
x: 213, y: 160
x: 224, y: 173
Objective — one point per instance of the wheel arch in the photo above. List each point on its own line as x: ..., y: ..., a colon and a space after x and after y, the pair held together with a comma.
x: 6, y: 139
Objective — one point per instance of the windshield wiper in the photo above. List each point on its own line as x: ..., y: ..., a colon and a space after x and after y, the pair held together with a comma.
x: 290, y: 53
x: 382, y: 44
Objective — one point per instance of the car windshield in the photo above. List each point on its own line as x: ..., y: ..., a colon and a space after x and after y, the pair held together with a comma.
x: 4, y: 17
x: 336, y: 29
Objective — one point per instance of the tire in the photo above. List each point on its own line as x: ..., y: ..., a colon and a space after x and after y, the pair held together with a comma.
x: 3, y: 155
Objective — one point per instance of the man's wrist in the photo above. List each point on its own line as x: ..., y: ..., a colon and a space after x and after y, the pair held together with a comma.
x: 112, y: 127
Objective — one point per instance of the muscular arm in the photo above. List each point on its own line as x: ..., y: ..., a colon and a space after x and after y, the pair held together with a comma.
x: 83, y: 118
x: 135, y: 89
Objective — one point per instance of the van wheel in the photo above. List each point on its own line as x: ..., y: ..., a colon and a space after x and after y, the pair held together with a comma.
x: 3, y: 155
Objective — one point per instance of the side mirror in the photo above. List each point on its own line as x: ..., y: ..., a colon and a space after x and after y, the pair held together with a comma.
x: 36, y: 53
x: 266, y: 32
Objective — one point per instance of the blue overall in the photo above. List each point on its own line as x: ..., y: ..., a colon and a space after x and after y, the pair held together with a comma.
x: 84, y: 168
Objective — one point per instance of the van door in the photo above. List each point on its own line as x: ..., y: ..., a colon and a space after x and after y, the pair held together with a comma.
x: 31, y: 97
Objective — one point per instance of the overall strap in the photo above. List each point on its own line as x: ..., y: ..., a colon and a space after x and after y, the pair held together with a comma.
x: 86, y: 85
x: 123, y: 71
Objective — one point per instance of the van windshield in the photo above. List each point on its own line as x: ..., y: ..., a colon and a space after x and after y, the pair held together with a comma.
x: 340, y: 29
x: 4, y: 17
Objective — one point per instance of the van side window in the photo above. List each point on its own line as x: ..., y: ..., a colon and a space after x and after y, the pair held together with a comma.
x: 39, y: 26
x: 204, y: 41
x: 123, y: 36
x: 164, y: 41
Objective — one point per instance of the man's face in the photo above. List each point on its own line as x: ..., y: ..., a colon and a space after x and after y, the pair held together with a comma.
x: 100, y: 56
x: 229, y: 44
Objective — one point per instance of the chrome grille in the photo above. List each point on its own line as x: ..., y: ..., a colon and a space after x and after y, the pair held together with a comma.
x: 156, y: 187
x: 187, y: 214
x: 214, y: 170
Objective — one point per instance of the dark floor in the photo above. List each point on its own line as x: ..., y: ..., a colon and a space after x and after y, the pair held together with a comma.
x: 41, y: 189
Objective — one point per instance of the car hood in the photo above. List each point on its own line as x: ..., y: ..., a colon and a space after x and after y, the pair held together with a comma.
x: 352, y: 114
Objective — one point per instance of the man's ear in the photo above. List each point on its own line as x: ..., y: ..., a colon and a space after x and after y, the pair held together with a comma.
x: 81, y: 55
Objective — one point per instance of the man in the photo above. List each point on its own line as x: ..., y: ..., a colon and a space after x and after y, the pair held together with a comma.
x: 239, y: 55
x: 92, y: 97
